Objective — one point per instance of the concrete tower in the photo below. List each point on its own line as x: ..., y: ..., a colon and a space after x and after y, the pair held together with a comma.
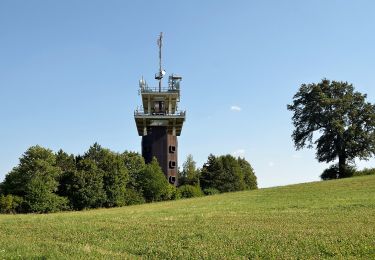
x: 160, y: 122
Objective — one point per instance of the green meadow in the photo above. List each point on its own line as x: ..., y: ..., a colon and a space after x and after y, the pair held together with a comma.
x: 312, y: 220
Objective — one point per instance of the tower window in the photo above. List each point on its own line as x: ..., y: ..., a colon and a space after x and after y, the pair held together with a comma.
x: 172, y: 179
x: 172, y: 164
x: 172, y: 149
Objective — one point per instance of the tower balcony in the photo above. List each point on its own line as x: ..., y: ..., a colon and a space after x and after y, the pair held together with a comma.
x: 173, y: 121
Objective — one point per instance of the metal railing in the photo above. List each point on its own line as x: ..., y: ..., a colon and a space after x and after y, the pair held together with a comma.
x: 140, y: 112
x: 156, y: 89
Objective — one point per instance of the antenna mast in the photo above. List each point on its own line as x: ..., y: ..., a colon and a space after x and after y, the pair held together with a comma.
x: 160, y: 44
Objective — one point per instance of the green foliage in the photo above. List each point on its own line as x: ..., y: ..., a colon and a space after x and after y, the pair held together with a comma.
x: 249, y: 177
x: 153, y: 183
x: 226, y: 173
x: 189, y: 174
x: 133, y: 197
x: 35, y: 179
x: 115, y: 174
x: 36, y: 160
x: 190, y: 191
x: 172, y: 193
x: 65, y: 161
x: 365, y: 172
x: 211, y: 173
x: 86, y: 189
x: 47, y: 182
x: 344, y: 121
x: 211, y: 191
x: 10, y: 204
x: 134, y: 163
x: 333, y: 172
x: 67, y: 165
x: 40, y: 196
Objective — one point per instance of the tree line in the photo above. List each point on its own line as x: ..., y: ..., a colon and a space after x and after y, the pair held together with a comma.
x: 45, y: 181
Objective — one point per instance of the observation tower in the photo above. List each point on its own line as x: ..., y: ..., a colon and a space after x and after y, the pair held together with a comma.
x: 159, y: 121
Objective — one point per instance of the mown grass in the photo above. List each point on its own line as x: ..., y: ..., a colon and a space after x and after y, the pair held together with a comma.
x: 313, y: 220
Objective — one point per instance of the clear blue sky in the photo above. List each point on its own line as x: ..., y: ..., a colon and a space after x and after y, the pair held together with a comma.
x: 69, y: 74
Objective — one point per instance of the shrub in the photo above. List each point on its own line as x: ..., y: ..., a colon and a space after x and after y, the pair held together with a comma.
x: 172, y: 193
x: 152, y: 182
x: 211, y: 191
x: 133, y: 197
x: 40, y: 199
x: 364, y: 172
x: 189, y: 191
x: 333, y: 172
x: 10, y: 204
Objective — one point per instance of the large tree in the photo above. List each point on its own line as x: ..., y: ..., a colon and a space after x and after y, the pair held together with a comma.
x: 336, y: 119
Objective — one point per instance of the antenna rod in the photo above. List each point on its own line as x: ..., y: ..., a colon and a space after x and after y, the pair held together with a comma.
x: 160, y: 43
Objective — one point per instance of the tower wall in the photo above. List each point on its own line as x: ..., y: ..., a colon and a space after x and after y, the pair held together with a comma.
x: 158, y: 143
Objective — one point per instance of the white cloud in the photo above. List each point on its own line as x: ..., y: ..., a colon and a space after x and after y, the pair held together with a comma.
x: 296, y: 156
x: 235, y: 108
x: 239, y: 153
x: 271, y: 164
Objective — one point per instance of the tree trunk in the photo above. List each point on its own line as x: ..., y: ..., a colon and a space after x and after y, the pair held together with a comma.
x: 342, y: 165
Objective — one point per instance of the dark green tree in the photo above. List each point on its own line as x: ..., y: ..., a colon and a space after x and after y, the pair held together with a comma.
x: 153, y: 183
x: 211, y: 173
x: 35, y: 179
x: 249, y: 177
x: 189, y: 174
x: 67, y: 164
x: 135, y: 164
x: 340, y: 117
x: 233, y: 179
x: 115, y: 174
x: 226, y: 173
x: 86, y: 189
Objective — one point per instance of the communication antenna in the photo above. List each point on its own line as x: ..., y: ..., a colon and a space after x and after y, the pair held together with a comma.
x: 161, y: 72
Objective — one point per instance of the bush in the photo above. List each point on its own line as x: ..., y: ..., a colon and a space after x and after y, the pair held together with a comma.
x: 10, y: 204
x: 211, y: 191
x: 153, y: 183
x: 133, y: 197
x: 172, y: 193
x: 40, y: 199
x: 189, y: 191
x: 364, y: 172
x: 333, y: 172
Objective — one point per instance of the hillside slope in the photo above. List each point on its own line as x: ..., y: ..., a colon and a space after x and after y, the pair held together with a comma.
x: 313, y: 220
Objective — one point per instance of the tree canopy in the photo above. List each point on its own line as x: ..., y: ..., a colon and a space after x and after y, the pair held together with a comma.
x: 226, y: 173
x: 336, y: 119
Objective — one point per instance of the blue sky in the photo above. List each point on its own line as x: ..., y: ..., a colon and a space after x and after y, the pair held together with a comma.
x: 69, y: 74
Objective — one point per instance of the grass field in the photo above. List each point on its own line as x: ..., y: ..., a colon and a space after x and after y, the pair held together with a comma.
x: 313, y: 220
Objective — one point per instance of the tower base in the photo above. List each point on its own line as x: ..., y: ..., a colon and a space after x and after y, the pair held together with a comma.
x: 158, y: 143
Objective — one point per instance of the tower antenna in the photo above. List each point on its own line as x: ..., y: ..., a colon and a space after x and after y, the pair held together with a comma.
x: 161, y: 71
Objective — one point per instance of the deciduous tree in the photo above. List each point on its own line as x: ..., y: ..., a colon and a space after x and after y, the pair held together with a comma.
x: 336, y: 119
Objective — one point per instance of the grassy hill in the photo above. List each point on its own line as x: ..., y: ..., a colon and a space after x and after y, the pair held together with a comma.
x: 313, y: 220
